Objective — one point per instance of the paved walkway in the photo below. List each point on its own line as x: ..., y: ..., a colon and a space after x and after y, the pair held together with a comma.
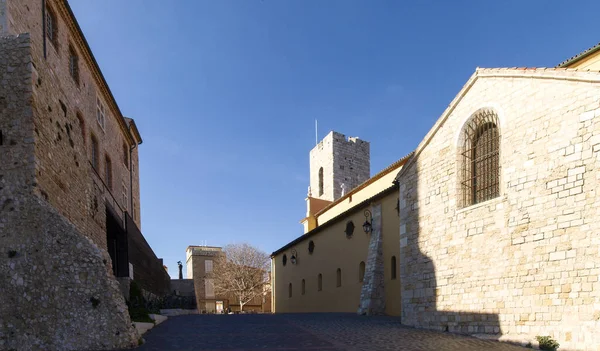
x: 323, y: 332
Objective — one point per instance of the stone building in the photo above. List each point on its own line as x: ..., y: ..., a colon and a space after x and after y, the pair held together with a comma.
x: 499, y: 214
x: 335, y: 266
x: 69, y: 189
x: 199, y: 264
x: 498, y: 217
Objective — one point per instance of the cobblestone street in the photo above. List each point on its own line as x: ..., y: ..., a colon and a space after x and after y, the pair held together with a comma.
x: 327, y: 332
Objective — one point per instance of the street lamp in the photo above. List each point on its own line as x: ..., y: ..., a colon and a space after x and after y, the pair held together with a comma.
x: 294, y: 258
x: 368, y: 225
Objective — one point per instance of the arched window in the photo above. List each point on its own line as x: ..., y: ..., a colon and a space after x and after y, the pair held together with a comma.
x: 320, y: 282
x: 290, y: 290
x: 303, y: 287
x: 338, y: 281
x: 311, y: 247
x: 320, y: 181
x: 393, y: 267
x: 361, y: 271
x: 480, y: 158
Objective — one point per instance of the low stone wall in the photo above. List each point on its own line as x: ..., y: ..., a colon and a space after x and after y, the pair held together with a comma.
x: 57, y: 289
x: 183, y: 287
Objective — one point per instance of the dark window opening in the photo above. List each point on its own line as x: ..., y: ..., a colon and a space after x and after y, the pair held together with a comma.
x: 349, y: 229
x: 393, y: 267
x: 303, y: 287
x: 338, y: 281
x: 290, y: 291
x: 321, y: 181
x: 311, y: 247
x: 284, y: 259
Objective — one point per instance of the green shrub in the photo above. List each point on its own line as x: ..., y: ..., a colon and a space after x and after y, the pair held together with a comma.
x: 137, y: 305
x: 547, y: 343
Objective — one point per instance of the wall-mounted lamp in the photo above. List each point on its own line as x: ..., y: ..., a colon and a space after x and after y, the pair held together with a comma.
x: 294, y: 258
x: 368, y: 225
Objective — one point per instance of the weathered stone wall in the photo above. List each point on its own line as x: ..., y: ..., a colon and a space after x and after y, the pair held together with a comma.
x: 57, y: 291
x: 344, y: 161
x: 526, y: 263
x: 56, y: 286
x: 64, y: 174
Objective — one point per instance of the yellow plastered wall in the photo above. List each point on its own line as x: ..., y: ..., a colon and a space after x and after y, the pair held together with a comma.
x: 333, y: 250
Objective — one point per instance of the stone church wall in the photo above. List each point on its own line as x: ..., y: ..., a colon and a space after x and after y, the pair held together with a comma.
x: 526, y: 263
x: 57, y: 290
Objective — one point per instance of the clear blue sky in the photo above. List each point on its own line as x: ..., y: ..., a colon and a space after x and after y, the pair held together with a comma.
x: 225, y: 93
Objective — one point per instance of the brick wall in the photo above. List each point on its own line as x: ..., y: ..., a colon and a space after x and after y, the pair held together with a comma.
x: 527, y: 262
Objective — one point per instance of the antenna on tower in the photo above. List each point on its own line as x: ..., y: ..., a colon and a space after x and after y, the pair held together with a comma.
x: 316, y: 133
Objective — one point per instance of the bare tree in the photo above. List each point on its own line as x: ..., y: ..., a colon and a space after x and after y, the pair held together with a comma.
x: 241, y: 271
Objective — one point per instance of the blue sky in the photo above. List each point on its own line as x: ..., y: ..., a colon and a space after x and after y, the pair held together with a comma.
x: 225, y: 93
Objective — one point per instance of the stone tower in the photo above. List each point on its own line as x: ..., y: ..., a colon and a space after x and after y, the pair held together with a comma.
x: 338, y: 165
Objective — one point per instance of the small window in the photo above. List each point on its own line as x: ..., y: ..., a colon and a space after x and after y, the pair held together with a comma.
x: 393, y: 267
x: 303, y: 287
x: 74, y: 64
x: 125, y: 156
x: 349, y: 228
x: 290, y: 291
x: 361, y: 271
x: 51, y: 26
x: 208, y: 266
x: 321, y: 181
x: 320, y: 282
x: 81, y: 126
x: 338, y: 280
x: 95, y: 151
x: 311, y: 247
x: 284, y: 259
x: 108, y: 173
x: 100, y: 112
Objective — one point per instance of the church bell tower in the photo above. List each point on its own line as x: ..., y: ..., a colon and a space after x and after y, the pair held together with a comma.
x: 338, y: 164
